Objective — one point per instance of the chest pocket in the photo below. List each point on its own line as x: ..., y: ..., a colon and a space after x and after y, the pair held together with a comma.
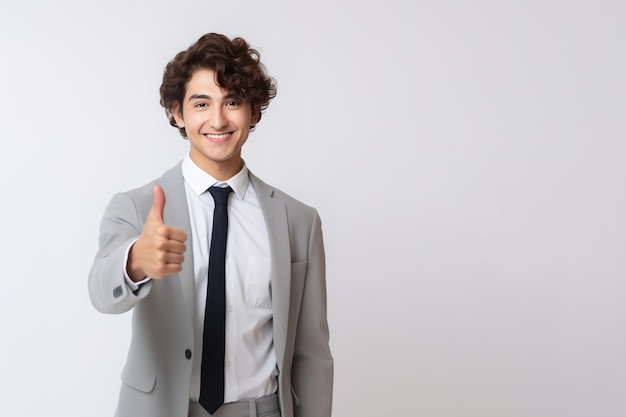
x: 257, y: 282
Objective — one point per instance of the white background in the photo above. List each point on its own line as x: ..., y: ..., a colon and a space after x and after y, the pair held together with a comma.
x: 467, y: 159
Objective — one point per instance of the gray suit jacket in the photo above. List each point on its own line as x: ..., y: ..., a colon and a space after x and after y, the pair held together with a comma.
x: 156, y: 377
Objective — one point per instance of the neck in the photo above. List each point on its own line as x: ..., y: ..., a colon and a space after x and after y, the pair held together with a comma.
x: 220, y: 170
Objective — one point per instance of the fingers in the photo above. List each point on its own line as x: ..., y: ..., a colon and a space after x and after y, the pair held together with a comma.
x: 156, y: 254
x: 163, y: 251
x: 170, y: 240
x: 176, y: 234
x: 167, y: 263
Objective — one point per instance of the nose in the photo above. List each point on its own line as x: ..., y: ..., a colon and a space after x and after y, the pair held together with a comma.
x: 217, y: 118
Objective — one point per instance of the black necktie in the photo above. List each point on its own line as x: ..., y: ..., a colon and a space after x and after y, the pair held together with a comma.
x: 212, y: 376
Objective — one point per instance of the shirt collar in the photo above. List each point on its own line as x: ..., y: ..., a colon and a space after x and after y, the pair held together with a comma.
x: 200, y: 181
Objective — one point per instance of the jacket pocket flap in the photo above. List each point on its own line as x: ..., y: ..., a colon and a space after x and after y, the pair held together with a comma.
x: 139, y: 376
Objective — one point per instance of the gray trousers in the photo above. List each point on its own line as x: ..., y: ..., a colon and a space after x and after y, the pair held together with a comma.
x: 259, y: 407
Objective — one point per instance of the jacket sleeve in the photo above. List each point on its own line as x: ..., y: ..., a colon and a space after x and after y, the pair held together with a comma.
x: 121, y: 225
x: 312, y: 371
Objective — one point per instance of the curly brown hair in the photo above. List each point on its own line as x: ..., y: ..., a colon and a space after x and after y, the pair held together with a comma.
x: 237, y: 67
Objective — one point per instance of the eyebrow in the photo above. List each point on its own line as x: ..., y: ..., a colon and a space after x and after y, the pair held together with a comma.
x: 207, y: 97
x: 199, y: 96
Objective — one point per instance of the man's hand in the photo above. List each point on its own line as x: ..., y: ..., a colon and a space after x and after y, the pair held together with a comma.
x: 159, y: 250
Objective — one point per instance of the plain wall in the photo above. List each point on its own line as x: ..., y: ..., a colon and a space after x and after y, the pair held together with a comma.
x: 467, y: 159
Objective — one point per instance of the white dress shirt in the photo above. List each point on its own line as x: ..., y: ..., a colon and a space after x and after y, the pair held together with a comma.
x: 250, y: 362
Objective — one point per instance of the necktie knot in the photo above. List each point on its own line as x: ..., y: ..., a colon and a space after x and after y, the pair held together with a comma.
x: 220, y: 194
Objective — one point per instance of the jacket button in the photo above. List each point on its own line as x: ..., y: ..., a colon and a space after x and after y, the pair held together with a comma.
x: 188, y: 353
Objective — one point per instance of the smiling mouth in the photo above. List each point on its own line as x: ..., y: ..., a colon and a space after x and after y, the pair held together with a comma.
x: 218, y: 137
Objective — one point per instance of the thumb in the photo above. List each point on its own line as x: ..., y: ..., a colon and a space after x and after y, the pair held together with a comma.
x: 158, y: 203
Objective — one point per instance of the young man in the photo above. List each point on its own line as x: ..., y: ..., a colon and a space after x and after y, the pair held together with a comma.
x: 225, y: 274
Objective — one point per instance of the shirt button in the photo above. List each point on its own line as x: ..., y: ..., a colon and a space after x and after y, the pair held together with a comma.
x: 230, y: 308
x: 188, y: 353
x: 228, y: 364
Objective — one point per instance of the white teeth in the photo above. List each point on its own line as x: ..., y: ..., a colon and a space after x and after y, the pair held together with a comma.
x: 214, y: 136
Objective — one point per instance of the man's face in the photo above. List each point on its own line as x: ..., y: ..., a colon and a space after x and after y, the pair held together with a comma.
x: 217, y: 125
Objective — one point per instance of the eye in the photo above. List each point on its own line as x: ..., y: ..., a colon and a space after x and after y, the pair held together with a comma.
x: 232, y: 103
x: 200, y: 105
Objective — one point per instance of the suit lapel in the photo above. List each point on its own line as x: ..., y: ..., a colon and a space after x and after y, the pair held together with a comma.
x: 275, y: 213
x: 176, y: 214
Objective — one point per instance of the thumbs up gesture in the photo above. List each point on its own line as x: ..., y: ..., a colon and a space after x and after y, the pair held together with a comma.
x: 159, y: 250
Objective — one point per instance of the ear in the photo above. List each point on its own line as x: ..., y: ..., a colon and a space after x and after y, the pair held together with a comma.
x: 178, y: 115
x: 256, y: 115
